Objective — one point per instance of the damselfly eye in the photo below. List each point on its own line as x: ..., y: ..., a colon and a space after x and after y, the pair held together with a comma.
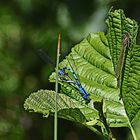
x: 126, y: 38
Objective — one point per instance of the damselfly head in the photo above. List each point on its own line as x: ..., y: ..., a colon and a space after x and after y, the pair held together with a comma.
x: 126, y: 34
x: 126, y: 39
x: 63, y: 75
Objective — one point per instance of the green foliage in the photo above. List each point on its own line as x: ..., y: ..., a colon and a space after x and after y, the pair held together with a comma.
x: 118, y: 24
x: 94, y: 60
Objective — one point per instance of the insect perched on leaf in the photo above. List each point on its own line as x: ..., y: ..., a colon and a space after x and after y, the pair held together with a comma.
x: 67, y: 75
x: 73, y: 81
x: 121, y: 58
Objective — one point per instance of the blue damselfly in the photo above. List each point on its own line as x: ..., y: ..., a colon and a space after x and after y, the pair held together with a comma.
x: 67, y: 75
x: 76, y: 83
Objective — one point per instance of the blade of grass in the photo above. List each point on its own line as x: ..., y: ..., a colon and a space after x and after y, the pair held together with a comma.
x: 56, y: 88
x: 132, y: 130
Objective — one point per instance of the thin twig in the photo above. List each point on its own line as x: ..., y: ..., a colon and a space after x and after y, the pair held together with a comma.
x: 56, y: 89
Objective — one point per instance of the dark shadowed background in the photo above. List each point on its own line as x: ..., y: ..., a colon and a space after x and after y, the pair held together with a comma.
x: 27, y: 25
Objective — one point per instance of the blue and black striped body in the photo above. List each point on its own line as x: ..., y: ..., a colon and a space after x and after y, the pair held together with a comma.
x: 64, y: 77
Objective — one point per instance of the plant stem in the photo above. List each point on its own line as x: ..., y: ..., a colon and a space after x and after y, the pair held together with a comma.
x: 56, y: 89
x: 132, y: 130
x: 96, y: 131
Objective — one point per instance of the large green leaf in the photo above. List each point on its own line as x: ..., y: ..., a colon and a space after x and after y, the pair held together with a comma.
x: 43, y: 102
x: 70, y: 109
x: 94, y: 61
x: 118, y: 24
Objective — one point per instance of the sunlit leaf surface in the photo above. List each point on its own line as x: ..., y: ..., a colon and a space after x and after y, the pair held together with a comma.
x: 94, y: 61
